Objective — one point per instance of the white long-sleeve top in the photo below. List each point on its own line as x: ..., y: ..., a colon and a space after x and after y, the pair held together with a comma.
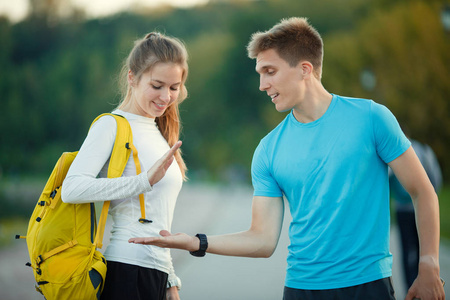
x: 86, y: 182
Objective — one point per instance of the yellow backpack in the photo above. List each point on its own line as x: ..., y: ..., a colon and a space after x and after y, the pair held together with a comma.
x: 63, y: 238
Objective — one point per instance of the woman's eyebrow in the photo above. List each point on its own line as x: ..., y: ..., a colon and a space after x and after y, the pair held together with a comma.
x: 162, y: 82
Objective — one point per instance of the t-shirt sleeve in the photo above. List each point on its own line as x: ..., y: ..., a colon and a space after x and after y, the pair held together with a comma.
x: 390, y: 141
x: 264, y: 184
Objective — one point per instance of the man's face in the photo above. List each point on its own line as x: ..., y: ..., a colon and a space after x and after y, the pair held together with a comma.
x: 282, y: 83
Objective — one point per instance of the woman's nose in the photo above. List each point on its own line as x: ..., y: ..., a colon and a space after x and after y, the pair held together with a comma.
x: 165, y: 95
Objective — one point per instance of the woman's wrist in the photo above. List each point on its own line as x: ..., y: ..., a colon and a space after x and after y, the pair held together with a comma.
x: 174, y: 282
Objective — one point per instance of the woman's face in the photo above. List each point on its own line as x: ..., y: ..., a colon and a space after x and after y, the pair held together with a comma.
x: 156, y: 90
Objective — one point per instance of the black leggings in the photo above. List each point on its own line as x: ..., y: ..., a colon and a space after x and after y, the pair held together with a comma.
x: 124, y: 281
x: 375, y: 290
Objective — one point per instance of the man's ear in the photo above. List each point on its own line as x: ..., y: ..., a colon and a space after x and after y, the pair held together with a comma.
x: 306, y: 68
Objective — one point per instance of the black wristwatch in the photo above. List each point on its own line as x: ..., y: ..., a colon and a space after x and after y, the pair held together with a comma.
x: 203, y: 245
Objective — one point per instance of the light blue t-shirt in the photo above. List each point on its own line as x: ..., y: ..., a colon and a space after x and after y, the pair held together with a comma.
x: 334, y: 174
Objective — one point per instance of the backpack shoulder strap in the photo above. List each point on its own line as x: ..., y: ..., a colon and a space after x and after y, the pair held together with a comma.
x: 121, y: 150
x: 123, y: 146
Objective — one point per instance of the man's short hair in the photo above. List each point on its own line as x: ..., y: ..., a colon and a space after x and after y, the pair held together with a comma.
x: 294, y: 39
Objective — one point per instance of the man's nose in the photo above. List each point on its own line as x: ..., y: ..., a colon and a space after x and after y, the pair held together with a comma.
x: 263, y: 84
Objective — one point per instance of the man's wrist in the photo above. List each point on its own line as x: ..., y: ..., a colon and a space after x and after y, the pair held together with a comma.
x: 203, y: 245
x: 429, y: 261
x: 429, y: 258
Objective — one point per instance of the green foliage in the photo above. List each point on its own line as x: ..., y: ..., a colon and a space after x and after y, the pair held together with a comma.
x: 444, y: 209
x: 61, y: 74
x: 409, y: 53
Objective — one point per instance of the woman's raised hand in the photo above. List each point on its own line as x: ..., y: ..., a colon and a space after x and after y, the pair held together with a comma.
x: 158, y: 170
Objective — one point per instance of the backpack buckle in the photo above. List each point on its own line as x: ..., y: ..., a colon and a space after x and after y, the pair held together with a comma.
x: 142, y: 220
x: 39, y: 260
x: 53, y: 193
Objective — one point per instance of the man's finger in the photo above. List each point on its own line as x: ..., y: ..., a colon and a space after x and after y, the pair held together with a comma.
x: 165, y: 233
x: 410, y: 295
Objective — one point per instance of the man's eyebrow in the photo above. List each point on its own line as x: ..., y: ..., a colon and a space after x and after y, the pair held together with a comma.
x: 263, y: 68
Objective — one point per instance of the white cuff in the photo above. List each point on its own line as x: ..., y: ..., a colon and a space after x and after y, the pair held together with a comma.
x: 174, y: 282
x: 143, y: 182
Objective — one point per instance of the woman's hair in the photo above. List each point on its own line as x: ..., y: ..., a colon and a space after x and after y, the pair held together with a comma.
x: 294, y: 39
x: 147, y: 52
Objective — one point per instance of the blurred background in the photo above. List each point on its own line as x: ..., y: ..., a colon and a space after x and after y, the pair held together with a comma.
x: 59, y: 66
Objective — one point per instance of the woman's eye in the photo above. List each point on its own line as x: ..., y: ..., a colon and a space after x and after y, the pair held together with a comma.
x: 174, y: 88
x: 156, y: 87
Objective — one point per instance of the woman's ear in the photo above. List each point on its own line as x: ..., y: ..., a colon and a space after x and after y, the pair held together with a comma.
x: 130, y: 78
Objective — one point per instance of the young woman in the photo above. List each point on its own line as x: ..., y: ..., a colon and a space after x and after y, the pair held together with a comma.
x: 154, y: 77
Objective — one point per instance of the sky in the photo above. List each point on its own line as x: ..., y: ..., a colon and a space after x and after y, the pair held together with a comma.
x: 17, y: 9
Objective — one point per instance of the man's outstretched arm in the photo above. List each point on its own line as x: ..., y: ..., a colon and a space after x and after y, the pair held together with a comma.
x: 260, y: 240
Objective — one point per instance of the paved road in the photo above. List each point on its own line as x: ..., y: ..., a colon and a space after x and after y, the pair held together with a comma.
x: 213, y: 210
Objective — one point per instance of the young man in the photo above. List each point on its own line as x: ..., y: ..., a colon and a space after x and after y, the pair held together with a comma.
x: 329, y: 158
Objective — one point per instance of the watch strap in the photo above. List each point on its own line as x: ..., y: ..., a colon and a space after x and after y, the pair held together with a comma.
x: 203, y: 245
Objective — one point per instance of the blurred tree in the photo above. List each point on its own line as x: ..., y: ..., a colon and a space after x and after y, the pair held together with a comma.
x: 62, y: 72
x: 409, y: 60
x: 54, y: 11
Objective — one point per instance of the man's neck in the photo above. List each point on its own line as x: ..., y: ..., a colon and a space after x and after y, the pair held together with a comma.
x: 314, y: 105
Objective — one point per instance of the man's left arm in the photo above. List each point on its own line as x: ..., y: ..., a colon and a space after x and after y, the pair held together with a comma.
x: 409, y: 171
